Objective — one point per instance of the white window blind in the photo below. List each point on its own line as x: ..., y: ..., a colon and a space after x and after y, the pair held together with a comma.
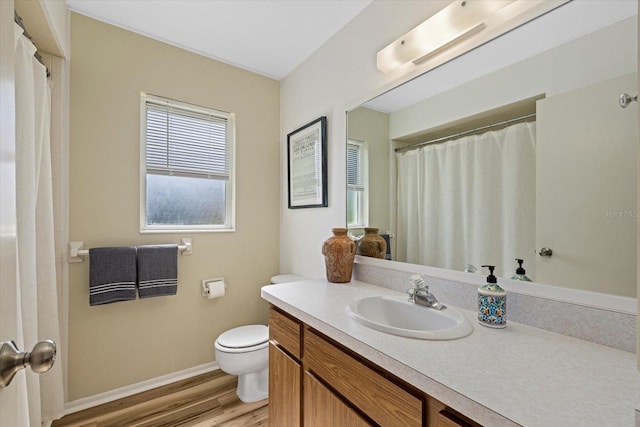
x: 357, y: 183
x: 187, y: 156
x: 355, y: 167
x: 186, y: 142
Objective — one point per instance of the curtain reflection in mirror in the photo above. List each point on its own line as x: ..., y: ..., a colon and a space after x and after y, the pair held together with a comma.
x: 469, y: 201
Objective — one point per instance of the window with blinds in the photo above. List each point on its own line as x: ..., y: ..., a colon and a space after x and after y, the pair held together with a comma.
x: 187, y: 162
x: 357, y: 184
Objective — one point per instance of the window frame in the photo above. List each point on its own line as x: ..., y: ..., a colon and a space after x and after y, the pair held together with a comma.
x: 363, y: 200
x: 230, y: 185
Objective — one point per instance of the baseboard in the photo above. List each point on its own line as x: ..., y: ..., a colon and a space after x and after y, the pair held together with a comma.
x: 119, y: 393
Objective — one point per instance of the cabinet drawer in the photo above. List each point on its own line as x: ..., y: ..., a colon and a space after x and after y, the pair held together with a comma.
x: 446, y: 419
x: 385, y: 402
x: 285, y: 331
x: 440, y: 415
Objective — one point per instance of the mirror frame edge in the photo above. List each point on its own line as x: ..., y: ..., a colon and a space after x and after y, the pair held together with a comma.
x: 616, y: 303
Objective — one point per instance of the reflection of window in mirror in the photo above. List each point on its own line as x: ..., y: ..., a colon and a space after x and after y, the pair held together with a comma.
x: 357, y: 184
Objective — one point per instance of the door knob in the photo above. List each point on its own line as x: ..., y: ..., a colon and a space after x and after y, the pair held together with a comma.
x: 626, y: 99
x: 41, y: 359
x: 545, y: 252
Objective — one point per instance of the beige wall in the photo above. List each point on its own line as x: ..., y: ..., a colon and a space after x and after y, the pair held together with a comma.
x: 337, y: 77
x: 123, y: 343
x: 372, y: 127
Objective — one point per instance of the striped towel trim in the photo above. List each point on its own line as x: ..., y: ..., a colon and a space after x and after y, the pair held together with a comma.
x: 105, y: 294
x: 112, y: 287
x: 160, y: 287
x: 146, y: 284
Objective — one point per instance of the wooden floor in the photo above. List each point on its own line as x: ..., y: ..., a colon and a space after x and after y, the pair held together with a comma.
x: 203, y: 401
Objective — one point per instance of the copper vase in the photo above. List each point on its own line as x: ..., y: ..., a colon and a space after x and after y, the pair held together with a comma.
x: 372, y: 244
x: 339, y: 252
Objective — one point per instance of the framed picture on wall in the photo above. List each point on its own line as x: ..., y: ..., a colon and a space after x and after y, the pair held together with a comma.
x: 307, y: 165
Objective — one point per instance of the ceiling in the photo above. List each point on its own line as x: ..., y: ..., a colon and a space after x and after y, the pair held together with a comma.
x: 269, y: 37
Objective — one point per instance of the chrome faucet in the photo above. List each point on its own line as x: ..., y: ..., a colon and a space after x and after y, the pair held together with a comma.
x: 419, y: 294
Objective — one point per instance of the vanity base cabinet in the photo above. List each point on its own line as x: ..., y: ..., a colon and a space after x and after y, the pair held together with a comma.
x: 445, y: 419
x: 284, y: 388
x: 316, y: 382
x: 285, y: 370
x: 439, y: 415
x: 285, y: 332
x: 323, y: 408
x: 382, y: 400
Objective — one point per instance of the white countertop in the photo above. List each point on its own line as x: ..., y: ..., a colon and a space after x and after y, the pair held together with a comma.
x: 519, y: 375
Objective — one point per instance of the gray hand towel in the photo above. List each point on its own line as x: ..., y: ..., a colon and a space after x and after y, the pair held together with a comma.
x: 157, y: 270
x: 112, y: 275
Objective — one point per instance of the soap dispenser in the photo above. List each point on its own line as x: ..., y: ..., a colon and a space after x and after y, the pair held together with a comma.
x: 521, y: 274
x: 492, y: 302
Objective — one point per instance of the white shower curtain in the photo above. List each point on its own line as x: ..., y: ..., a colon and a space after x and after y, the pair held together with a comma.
x: 38, y: 310
x: 469, y: 201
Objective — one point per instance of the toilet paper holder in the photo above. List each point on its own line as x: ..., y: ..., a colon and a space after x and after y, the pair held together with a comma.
x: 210, y: 284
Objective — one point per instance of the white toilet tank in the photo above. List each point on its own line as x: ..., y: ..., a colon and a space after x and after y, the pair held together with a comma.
x: 286, y: 278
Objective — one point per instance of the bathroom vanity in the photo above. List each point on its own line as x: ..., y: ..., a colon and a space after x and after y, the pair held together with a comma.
x: 338, y: 386
x: 327, y: 369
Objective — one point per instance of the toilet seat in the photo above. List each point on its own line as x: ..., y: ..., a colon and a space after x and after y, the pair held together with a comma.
x: 243, y: 339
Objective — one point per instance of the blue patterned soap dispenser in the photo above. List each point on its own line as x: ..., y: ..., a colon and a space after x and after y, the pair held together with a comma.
x: 521, y: 274
x: 492, y: 302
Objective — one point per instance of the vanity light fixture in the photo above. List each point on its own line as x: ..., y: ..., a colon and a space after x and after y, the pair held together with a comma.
x: 459, y: 27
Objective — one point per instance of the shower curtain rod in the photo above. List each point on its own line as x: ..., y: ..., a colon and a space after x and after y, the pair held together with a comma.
x: 18, y: 20
x: 459, y: 134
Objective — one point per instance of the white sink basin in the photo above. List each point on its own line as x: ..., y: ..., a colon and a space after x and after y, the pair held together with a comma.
x: 397, y: 316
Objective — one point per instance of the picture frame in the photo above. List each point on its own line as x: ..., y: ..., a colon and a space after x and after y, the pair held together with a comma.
x: 307, y: 165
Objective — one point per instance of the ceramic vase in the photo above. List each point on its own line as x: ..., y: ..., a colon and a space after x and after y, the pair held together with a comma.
x: 339, y: 252
x: 372, y: 244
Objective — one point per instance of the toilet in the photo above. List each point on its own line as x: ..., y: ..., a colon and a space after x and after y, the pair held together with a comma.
x: 244, y: 351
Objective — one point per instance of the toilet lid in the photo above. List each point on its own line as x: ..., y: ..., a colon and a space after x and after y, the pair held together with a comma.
x: 244, y: 336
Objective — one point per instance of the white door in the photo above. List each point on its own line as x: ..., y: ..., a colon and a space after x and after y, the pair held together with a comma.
x: 9, y: 396
x: 586, y: 145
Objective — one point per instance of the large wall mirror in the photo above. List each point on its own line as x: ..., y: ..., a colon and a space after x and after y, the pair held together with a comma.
x: 517, y: 146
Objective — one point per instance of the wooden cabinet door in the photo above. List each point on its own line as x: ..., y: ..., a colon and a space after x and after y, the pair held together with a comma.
x: 445, y: 419
x: 284, y: 389
x: 439, y: 415
x: 323, y: 408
